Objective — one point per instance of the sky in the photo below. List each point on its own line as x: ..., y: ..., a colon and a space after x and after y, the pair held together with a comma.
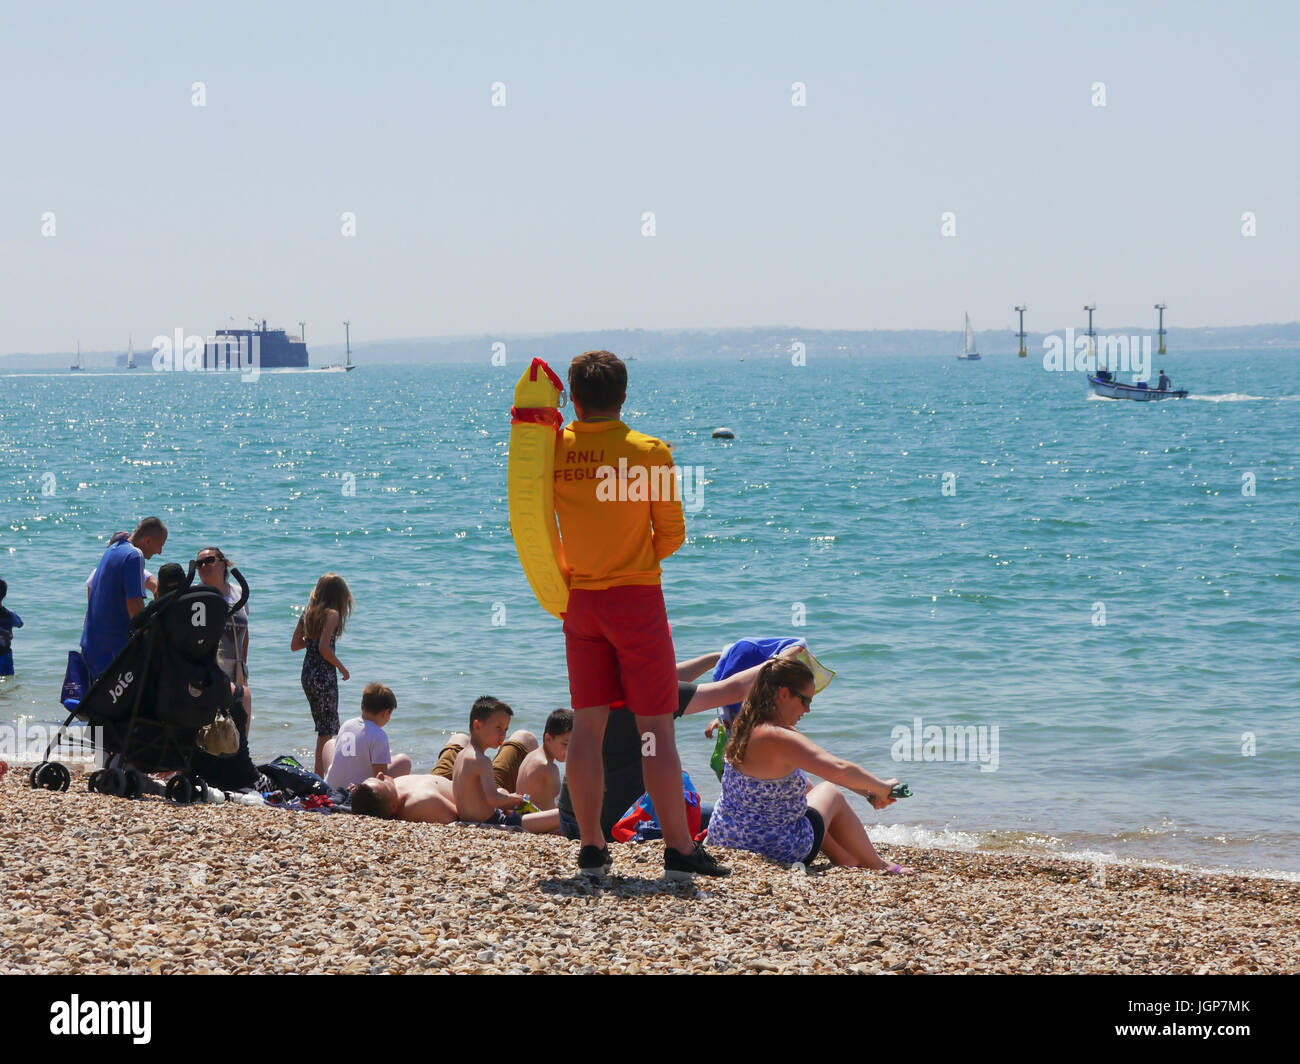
x: 472, y: 218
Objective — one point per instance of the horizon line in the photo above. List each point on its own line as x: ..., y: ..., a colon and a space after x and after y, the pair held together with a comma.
x: 705, y: 329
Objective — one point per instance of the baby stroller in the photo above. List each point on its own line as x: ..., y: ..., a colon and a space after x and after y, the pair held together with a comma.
x: 154, y: 698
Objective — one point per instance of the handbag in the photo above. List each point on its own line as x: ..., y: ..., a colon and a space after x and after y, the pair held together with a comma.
x: 221, y: 737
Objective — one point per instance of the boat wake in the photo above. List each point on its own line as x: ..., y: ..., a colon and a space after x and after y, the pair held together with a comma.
x: 1226, y: 397
x: 1242, y: 397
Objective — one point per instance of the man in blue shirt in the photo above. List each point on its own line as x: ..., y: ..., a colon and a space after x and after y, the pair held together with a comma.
x: 117, y: 593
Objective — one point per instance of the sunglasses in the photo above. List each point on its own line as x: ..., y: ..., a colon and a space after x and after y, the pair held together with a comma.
x: 203, y: 563
x: 805, y: 699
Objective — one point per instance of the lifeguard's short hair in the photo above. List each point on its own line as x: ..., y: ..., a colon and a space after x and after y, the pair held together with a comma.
x: 598, y: 380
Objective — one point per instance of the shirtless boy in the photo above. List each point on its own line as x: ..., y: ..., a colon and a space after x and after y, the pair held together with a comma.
x: 423, y: 798
x: 539, y: 775
x: 482, y: 798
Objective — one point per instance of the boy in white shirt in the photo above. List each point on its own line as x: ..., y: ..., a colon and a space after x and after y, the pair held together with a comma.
x: 360, y: 750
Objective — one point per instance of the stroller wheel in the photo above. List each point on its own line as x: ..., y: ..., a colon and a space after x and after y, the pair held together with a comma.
x: 92, y: 781
x: 112, y: 781
x: 200, y: 789
x: 180, y: 790
x: 50, y: 776
x: 134, y: 784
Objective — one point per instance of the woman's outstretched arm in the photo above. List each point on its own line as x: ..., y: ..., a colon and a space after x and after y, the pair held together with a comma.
x: 807, y: 755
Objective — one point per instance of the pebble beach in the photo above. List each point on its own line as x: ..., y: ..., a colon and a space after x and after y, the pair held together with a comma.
x: 91, y: 885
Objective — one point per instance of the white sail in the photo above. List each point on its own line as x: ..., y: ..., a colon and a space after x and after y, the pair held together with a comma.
x: 970, y: 336
x: 130, y: 353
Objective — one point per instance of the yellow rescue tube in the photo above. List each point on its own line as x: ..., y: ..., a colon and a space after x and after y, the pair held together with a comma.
x: 535, y: 421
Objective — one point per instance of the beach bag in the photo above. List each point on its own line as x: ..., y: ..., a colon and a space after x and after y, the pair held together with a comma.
x: 221, y: 737
x: 76, y: 681
x: 289, y: 776
x: 640, y: 824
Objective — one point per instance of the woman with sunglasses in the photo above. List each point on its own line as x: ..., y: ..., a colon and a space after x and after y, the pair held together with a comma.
x: 232, y: 655
x: 767, y: 806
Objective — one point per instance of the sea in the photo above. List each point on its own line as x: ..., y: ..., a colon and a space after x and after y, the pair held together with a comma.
x: 1070, y: 625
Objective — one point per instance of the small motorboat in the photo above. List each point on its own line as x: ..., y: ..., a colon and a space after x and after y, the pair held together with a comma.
x: 723, y: 433
x: 1105, y: 385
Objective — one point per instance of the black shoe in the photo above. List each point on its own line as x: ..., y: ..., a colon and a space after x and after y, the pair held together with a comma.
x: 594, y: 862
x: 696, y: 863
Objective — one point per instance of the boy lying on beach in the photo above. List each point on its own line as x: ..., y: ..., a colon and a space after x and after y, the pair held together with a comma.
x: 423, y: 798
x: 482, y: 786
x: 539, y: 775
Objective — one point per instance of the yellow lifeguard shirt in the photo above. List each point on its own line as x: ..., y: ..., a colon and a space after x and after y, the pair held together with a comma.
x: 618, y: 504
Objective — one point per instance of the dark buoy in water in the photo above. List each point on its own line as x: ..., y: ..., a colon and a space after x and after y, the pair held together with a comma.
x: 723, y: 434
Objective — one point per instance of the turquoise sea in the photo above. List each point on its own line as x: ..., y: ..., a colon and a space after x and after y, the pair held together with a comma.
x: 1114, y: 587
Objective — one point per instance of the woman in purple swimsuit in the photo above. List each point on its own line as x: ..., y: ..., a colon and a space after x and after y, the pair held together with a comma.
x: 766, y: 805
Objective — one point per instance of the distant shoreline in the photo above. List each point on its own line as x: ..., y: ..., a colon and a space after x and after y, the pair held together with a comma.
x: 678, y: 344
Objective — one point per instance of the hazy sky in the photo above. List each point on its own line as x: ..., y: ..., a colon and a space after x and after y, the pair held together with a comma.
x: 475, y: 218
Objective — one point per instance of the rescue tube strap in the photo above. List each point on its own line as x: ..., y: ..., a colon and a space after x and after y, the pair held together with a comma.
x: 539, y: 363
x: 537, y: 415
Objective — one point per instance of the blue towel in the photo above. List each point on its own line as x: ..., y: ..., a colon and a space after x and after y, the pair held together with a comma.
x: 745, y: 654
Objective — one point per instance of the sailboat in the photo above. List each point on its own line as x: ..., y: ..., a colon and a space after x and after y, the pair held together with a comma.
x: 969, y: 354
x: 78, y: 367
x: 342, y: 367
x: 130, y: 353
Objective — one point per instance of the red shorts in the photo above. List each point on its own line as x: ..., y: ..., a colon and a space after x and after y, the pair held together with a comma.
x: 619, y: 647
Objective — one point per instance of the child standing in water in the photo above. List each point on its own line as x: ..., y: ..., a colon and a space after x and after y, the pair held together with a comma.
x: 8, y: 622
x: 319, y: 627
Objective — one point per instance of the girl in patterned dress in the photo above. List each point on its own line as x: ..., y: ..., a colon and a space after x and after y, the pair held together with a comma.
x: 319, y: 626
x: 767, y: 806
